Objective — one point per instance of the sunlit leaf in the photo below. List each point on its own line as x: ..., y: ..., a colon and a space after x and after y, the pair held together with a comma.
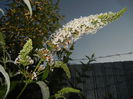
x: 60, y: 64
x: 44, y: 89
x: 7, y: 79
x: 63, y: 91
x: 27, y: 2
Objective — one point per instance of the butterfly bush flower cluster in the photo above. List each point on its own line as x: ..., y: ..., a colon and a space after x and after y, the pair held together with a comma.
x: 23, y: 57
x: 76, y: 28
x: 45, y: 54
x: 63, y: 38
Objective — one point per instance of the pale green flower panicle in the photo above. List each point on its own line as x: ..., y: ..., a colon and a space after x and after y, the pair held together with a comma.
x: 23, y: 57
x: 110, y: 17
x: 76, y: 28
x: 68, y: 34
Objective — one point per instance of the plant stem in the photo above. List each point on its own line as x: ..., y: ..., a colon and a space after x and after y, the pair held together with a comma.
x: 22, y: 90
x: 38, y: 65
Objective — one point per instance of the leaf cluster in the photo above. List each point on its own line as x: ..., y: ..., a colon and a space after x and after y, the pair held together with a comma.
x: 18, y: 25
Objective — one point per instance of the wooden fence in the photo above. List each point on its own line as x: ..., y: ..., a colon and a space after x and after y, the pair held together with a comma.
x: 104, y: 80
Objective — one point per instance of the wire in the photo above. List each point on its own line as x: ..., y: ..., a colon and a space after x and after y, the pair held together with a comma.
x: 107, y: 56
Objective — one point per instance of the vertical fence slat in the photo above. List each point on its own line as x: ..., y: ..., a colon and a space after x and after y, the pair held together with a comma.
x: 106, y: 80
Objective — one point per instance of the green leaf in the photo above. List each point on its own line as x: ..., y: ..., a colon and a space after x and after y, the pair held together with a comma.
x: 2, y: 91
x: 7, y: 79
x: 45, y: 73
x: 83, y: 63
x: 93, y: 55
x: 27, y: 2
x: 44, y: 89
x: 63, y: 91
x: 60, y: 64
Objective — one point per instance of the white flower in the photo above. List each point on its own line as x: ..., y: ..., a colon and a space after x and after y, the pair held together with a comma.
x: 34, y: 76
x: 17, y: 60
x: 76, y: 28
x: 29, y: 61
x: 45, y: 54
x: 41, y: 67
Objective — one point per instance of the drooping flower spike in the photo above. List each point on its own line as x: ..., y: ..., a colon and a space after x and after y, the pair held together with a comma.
x: 76, y: 28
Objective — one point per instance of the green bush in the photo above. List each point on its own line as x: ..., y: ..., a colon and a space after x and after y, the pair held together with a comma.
x: 18, y: 25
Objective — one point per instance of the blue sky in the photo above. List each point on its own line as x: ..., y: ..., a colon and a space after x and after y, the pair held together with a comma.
x: 115, y: 38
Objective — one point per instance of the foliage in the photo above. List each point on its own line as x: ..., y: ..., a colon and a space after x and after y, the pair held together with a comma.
x: 18, y: 25
x: 41, y: 52
x: 60, y: 64
x: 6, y: 76
x: 27, y: 2
x: 44, y: 89
x: 63, y: 91
x: 45, y: 72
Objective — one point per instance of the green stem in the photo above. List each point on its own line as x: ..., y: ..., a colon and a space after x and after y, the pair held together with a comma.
x: 38, y: 65
x: 4, y: 58
x: 22, y: 91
